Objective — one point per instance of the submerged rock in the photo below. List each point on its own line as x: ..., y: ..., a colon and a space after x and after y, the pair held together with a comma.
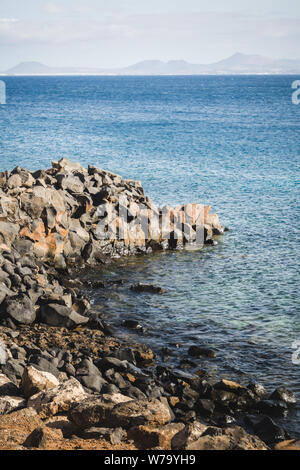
x: 198, y: 351
x: 132, y: 325
x: 269, y: 431
x: 272, y: 407
x: 258, y: 389
x: 285, y: 395
x: 149, y: 288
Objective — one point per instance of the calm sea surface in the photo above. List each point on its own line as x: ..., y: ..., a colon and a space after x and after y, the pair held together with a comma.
x: 231, y: 142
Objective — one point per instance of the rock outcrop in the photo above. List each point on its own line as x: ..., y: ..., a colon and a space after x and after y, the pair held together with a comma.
x: 69, y: 212
x: 68, y: 216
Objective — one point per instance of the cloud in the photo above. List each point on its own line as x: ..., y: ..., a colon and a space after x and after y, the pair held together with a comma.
x: 9, y: 20
x: 234, y: 30
x: 212, y: 24
x: 53, y: 8
x: 58, y: 32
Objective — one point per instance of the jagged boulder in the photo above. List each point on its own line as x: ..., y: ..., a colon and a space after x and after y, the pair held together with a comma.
x: 285, y: 395
x: 235, y: 438
x: 70, y: 182
x: 43, y: 436
x: 95, y: 411
x: 114, y: 436
x: 59, y: 399
x: 140, y: 412
x: 10, y: 403
x: 7, y: 387
x: 56, y: 210
x: 148, y: 437
x: 8, y: 233
x: 61, y: 315
x: 188, y: 435
x: 20, y: 309
x: 3, y: 354
x: 34, y: 381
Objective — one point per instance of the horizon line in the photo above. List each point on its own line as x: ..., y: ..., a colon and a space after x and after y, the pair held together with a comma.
x: 148, y: 74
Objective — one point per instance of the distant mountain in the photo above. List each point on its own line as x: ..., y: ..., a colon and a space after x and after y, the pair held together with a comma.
x: 243, y: 63
x: 29, y: 68
x: 36, y: 68
x: 173, y: 67
x: 236, y: 64
x: 244, y: 60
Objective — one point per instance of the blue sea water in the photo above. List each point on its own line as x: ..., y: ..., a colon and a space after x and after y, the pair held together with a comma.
x: 231, y: 142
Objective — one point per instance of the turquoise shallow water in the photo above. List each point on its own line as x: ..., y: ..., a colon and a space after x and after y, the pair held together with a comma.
x: 232, y: 142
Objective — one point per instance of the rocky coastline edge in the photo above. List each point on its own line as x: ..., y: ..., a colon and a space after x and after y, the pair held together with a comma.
x: 65, y: 381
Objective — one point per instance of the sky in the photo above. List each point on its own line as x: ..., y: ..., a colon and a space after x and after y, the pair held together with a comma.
x: 117, y: 33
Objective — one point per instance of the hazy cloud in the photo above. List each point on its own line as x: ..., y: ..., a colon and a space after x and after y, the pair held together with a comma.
x: 9, y: 20
x: 86, y: 36
x: 53, y: 8
x: 58, y: 32
x: 198, y: 26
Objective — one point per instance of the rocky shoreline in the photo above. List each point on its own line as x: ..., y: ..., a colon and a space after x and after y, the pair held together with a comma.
x: 65, y: 381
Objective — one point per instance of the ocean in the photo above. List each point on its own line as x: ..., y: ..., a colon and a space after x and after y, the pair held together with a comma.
x: 228, y: 141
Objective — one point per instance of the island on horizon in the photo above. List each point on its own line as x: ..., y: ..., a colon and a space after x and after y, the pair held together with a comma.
x: 237, y: 64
